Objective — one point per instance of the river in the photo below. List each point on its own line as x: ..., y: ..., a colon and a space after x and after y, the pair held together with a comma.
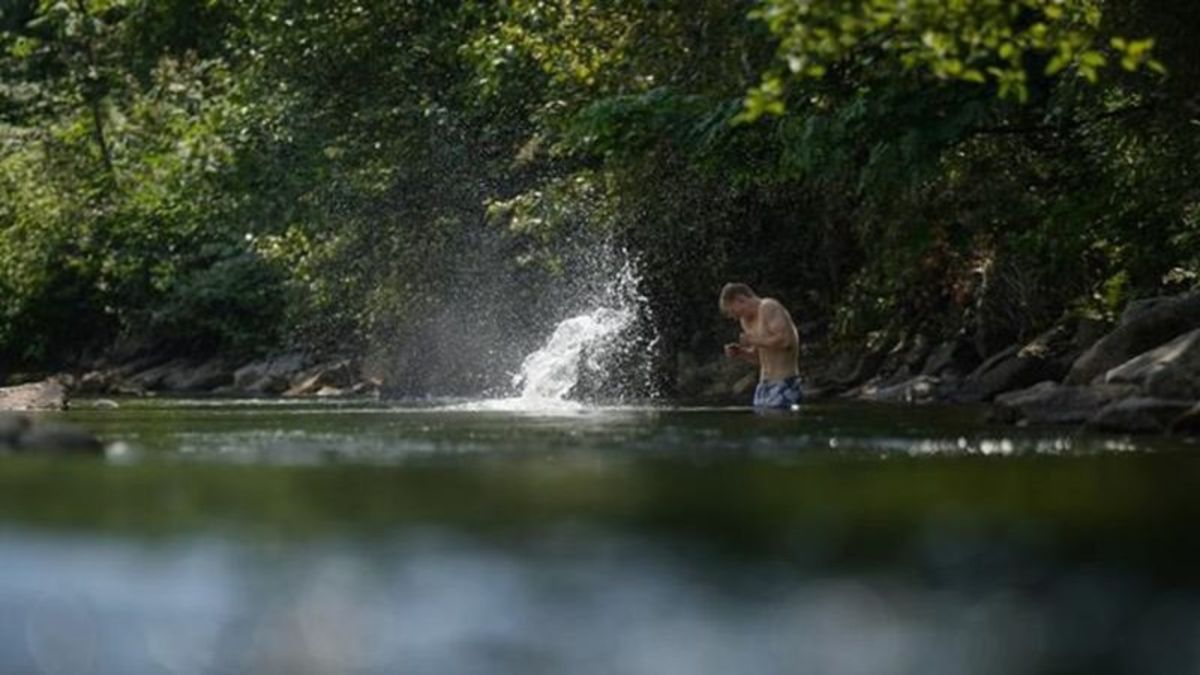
x: 225, y: 536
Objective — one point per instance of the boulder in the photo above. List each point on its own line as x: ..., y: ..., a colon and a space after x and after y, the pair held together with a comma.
x: 920, y: 389
x: 1144, y: 326
x: 1187, y: 424
x: 955, y: 358
x: 198, y: 376
x: 1138, y: 415
x: 46, y: 395
x: 369, y: 387
x: 717, y: 381
x: 335, y: 375
x: 1052, y: 403
x: 1010, y: 370
x: 154, y: 377
x: 272, y: 375
x: 96, y: 382
x: 1171, y: 371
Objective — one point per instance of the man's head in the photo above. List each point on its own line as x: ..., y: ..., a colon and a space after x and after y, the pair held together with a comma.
x: 738, y: 301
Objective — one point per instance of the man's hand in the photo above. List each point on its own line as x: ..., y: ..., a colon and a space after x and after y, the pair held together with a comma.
x: 746, y: 340
x: 734, y: 350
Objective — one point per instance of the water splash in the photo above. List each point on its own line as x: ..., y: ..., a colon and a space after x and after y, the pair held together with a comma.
x: 577, y: 344
x: 604, y: 350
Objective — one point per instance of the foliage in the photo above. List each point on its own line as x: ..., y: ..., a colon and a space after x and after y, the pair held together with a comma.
x: 212, y: 175
x: 1003, y: 43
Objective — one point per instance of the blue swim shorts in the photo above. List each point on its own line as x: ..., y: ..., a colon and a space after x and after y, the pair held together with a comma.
x: 778, y: 394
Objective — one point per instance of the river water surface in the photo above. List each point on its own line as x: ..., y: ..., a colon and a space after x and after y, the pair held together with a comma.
x: 440, y: 537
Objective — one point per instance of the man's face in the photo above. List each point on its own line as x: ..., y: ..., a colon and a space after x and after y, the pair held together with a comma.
x: 739, y: 308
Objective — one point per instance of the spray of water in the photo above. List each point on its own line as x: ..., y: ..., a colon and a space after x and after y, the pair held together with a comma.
x: 604, y: 349
x: 551, y: 372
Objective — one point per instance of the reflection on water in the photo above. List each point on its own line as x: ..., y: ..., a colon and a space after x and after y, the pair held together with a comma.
x: 267, y: 537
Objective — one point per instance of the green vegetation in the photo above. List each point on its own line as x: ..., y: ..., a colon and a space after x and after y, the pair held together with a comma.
x: 227, y: 176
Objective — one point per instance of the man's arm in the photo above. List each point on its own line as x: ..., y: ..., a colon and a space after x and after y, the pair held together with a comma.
x: 778, y: 331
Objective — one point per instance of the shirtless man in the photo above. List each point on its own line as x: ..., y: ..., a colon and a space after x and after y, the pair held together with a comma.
x: 768, y: 340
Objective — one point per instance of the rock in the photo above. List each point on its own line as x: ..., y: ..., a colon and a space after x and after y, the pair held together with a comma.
x: 1135, y: 309
x: 1171, y: 371
x: 46, y: 395
x: 1007, y: 371
x: 154, y: 377
x: 1144, y: 326
x: 1052, y: 403
x: 96, y: 382
x: 920, y: 389
x: 54, y: 438
x: 12, y: 426
x: 867, y: 363
x: 271, y: 375
x: 198, y: 376
x: 369, y: 388
x: 715, y: 381
x: 1138, y: 415
x: 334, y: 375
x: 1187, y: 424
x: 955, y: 357
x: 140, y: 364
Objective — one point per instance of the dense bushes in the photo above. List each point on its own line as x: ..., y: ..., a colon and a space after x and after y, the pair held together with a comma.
x: 223, y: 176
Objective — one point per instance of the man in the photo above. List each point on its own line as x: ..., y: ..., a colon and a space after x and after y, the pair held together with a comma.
x: 768, y: 340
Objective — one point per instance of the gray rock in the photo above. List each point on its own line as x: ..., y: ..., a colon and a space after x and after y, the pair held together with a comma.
x: 1010, y: 370
x: 96, y: 382
x: 271, y: 375
x: 139, y: 365
x: 1143, y: 328
x: 54, y: 438
x: 1139, y: 415
x: 337, y: 375
x: 155, y: 377
x: 866, y: 364
x: 1138, y: 308
x: 198, y: 376
x: 1052, y: 403
x: 955, y: 357
x: 1187, y: 424
x: 1171, y: 371
x: 920, y: 389
x: 715, y: 381
x: 367, y: 388
x: 46, y: 395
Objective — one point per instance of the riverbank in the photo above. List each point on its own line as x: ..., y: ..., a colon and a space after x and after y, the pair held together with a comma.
x: 1141, y: 375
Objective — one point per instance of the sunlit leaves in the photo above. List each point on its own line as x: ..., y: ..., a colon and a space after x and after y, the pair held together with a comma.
x: 1001, y: 43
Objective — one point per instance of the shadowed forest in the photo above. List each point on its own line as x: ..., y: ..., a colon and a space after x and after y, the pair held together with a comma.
x: 385, y: 178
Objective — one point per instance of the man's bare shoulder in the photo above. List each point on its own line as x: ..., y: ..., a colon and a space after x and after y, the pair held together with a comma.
x: 774, y: 310
x: 774, y: 306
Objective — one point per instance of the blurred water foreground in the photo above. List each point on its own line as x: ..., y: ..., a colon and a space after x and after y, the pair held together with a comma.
x: 289, y: 537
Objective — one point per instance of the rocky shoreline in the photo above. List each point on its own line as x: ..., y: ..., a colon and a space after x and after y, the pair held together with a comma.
x: 1140, y: 376
x: 289, y: 374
